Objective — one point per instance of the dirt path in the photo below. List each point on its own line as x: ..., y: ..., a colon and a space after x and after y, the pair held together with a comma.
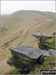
x: 5, y: 68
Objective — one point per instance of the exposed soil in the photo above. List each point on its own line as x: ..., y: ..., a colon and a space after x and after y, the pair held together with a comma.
x: 5, y: 68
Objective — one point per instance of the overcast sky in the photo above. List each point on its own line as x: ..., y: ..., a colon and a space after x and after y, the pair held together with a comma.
x: 8, y: 7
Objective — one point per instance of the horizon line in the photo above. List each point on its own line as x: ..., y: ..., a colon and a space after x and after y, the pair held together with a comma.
x: 26, y: 10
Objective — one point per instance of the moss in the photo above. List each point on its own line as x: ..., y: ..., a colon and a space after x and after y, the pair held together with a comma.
x: 50, y: 42
x: 37, y: 67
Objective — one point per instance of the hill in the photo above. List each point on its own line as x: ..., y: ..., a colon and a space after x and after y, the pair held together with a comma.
x: 18, y: 28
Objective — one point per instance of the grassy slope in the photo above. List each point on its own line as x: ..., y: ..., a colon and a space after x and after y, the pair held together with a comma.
x: 20, y: 26
x: 50, y: 15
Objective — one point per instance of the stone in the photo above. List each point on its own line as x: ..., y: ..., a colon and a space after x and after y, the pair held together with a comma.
x: 43, y: 35
x: 29, y: 51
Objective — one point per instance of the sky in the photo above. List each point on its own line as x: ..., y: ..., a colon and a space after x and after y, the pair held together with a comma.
x: 9, y: 7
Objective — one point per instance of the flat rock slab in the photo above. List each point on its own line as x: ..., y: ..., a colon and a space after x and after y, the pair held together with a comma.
x: 29, y: 51
x: 43, y: 35
x: 47, y: 53
x: 52, y: 52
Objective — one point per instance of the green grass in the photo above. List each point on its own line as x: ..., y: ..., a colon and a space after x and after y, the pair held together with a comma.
x: 14, y: 71
x: 52, y: 42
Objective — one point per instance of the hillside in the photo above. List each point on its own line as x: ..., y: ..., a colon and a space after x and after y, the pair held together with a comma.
x: 18, y: 28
